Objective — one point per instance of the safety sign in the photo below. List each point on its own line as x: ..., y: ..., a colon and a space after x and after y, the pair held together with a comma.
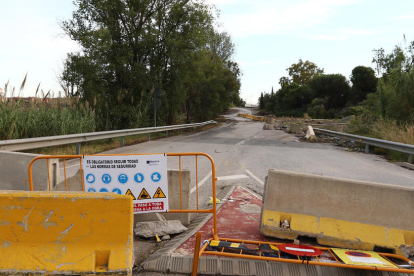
x: 359, y: 257
x: 143, y: 177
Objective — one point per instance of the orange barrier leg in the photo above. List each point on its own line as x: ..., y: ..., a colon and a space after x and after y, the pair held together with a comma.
x: 196, y: 253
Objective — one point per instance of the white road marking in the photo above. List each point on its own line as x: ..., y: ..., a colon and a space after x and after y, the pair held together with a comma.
x: 242, y: 142
x: 229, y: 177
x: 71, y: 166
x: 255, y: 177
x: 201, y: 182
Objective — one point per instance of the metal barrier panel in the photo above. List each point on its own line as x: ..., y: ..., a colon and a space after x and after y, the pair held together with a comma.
x: 241, y: 246
x: 179, y: 156
x: 65, y: 233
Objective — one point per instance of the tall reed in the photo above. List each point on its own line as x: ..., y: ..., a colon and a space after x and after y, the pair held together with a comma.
x: 45, y: 116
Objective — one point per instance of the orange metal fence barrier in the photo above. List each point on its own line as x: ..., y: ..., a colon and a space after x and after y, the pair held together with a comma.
x: 195, y: 155
x: 251, y: 250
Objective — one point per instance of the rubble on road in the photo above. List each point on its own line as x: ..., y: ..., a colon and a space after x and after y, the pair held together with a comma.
x: 268, y: 127
x: 149, y: 229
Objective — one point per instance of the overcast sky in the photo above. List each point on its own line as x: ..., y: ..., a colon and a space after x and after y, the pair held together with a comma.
x: 337, y: 35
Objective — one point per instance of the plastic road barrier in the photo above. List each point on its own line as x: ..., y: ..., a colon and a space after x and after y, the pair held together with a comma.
x: 65, y: 233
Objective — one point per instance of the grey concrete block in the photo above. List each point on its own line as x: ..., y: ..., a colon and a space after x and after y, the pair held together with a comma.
x: 14, y: 170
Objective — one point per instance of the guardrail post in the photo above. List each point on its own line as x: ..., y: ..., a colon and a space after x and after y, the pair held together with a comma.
x: 366, y: 148
x: 122, y: 141
x: 77, y: 148
x: 340, y: 141
x: 410, y: 158
x: 166, y: 133
x: 148, y: 137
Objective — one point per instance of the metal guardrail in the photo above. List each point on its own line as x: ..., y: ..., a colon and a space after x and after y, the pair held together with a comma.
x: 40, y: 142
x: 368, y: 141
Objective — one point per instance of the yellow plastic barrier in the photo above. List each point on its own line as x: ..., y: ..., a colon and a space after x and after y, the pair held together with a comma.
x: 65, y: 233
x: 257, y: 118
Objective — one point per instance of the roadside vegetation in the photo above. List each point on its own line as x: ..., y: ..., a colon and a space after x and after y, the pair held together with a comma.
x: 382, y: 100
x: 42, y: 116
x: 129, y: 54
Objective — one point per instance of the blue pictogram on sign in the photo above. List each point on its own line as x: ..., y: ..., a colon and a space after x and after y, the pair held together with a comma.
x: 92, y: 190
x: 123, y: 178
x: 106, y: 178
x: 103, y: 190
x: 138, y: 177
x: 156, y: 177
x: 90, y: 178
x: 117, y: 191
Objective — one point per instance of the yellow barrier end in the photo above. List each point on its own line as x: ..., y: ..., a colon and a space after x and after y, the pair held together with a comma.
x: 65, y: 233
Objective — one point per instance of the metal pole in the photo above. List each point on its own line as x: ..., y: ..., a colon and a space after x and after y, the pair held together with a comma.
x: 122, y: 141
x: 155, y: 109
x: 77, y: 148
x: 166, y: 133
x: 149, y: 137
x: 410, y: 158
x: 366, y: 148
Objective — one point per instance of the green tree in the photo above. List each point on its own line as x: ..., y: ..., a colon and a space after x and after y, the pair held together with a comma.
x: 364, y: 82
x: 395, y: 90
x: 129, y: 46
x: 301, y: 73
x: 261, y: 101
x: 334, y: 88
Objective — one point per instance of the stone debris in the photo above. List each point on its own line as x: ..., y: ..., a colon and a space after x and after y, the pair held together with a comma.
x: 407, y: 250
x: 295, y: 128
x: 284, y: 224
x: 278, y: 124
x: 149, y: 229
x: 296, y: 241
x: 269, y: 120
x: 268, y: 127
x: 165, y: 238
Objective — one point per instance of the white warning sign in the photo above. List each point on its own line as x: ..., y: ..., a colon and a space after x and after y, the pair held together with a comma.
x: 143, y: 177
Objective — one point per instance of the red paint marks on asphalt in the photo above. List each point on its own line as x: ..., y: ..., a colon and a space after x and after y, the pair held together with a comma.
x: 232, y: 222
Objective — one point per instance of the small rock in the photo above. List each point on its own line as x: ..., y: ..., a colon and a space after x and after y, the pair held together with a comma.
x: 297, y: 141
x: 149, y: 229
x: 268, y: 127
x: 285, y: 224
x: 166, y: 237
x: 296, y: 241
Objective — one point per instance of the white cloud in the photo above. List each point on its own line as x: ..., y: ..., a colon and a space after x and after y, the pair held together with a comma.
x: 359, y: 32
x: 327, y: 37
x: 269, y: 17
x: 402, y: 17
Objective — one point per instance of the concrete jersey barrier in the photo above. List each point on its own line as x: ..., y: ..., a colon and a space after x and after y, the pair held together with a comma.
x: 14, y: 171
x: 338, y: 212
x: 65, y: 233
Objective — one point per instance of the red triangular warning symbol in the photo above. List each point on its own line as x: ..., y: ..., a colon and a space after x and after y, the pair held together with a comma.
x: 144, y: 194
x: 131, y: 194
x: 159, y: 194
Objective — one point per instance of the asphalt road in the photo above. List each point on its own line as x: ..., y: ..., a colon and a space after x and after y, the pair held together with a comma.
x: 244, y: 153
